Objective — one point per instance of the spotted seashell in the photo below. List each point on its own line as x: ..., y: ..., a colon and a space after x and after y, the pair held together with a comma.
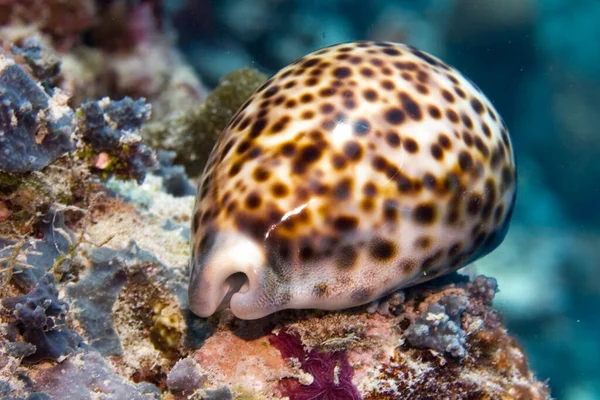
x: 357, y: 170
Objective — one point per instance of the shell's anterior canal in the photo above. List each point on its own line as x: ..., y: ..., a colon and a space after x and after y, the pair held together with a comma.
x: 359, y: 169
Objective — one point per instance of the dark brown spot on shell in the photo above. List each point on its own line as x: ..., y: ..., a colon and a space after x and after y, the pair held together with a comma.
x: 468, y: 139
x: 353, y: 151
x: 382, y: 250
x: 342, y: 189
x: 338, y: 161
x: 477, y: 106
x: 434, y: 112
x: 367, y: 72
x: 437, y: 152
x: 466, y: 120
x: 306, y: 98
x: 342, y: 72
x: 390, y: 51
x: 411, y: 107
x: 394, y: 116
x: 388, y: 85
x: 235, y: 169
x: 346, y: 257
x: 258, y: 127
x: 243, y: 147
x: 423, y: 242
x: 272, y: 91
x: 279, y: 190
x: 261, y: 174
x: 449, y: 97
x: 422, y: 89
x: 390, y: 210
x: 474, y: 203
x: 308, y: 114
x: 465, y: 161
x: 482, y: 147
x: 424, y: 213
x: 281, y: 124
x: 253, y: 201
x: 345, y: 223
x: 429, y: 181
x: 393, y: 139
x: 327, y: 92
x: 370, y: 95
x: 452, y: 115
x: 288, y: 149
x: 444, y: 141
x: 486, y: 130
x: 410, y: 145
x: 326, y: 108
x: 306, y: 156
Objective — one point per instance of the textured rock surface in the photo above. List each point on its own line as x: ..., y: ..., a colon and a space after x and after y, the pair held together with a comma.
x: 35, y: 126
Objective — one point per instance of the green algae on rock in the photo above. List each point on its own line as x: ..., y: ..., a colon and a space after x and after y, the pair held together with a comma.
x: 193, y: 132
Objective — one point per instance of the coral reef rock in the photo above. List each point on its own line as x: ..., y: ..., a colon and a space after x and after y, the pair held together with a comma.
x: 355, y: 354
x: 35, y: 127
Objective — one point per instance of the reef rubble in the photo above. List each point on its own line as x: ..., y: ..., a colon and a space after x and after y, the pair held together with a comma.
x: 94, y: 244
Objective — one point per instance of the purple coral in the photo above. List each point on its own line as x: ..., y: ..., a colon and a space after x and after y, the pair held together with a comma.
x: 113, y: 127
x: 40, y: 317
x: 330, y: 369
x: 439, y: 328
x: 35, y: 128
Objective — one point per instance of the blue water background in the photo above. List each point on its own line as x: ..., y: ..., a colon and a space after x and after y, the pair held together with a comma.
x: 539, y: 62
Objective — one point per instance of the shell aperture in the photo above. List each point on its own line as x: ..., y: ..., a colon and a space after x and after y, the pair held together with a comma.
x: 357, y: 170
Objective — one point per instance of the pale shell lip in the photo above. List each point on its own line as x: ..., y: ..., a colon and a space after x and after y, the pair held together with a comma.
x: 232, y: 267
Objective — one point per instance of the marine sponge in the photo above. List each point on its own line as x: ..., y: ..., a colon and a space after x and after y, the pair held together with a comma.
x: 87, y: 376
x: 35, y: 256
x: 35, y: 128
x: 44, y: 64
x: 185, y: 376
x: 94, y: 296
x: 439, y: 328
x: 40, y: 317
x: 113, y: 127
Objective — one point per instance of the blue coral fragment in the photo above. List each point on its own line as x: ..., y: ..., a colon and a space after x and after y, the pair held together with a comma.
x: 34, y: 130
x: 40, y: 318
x: 113, y: 127
x: 44, y: 64
x: 439, y: 328
x: 175, y: 180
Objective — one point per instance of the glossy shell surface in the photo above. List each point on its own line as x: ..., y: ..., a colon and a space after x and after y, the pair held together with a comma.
x: 357, y: 170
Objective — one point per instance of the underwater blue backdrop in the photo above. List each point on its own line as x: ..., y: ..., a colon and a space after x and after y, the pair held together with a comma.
x: 539, y: 62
